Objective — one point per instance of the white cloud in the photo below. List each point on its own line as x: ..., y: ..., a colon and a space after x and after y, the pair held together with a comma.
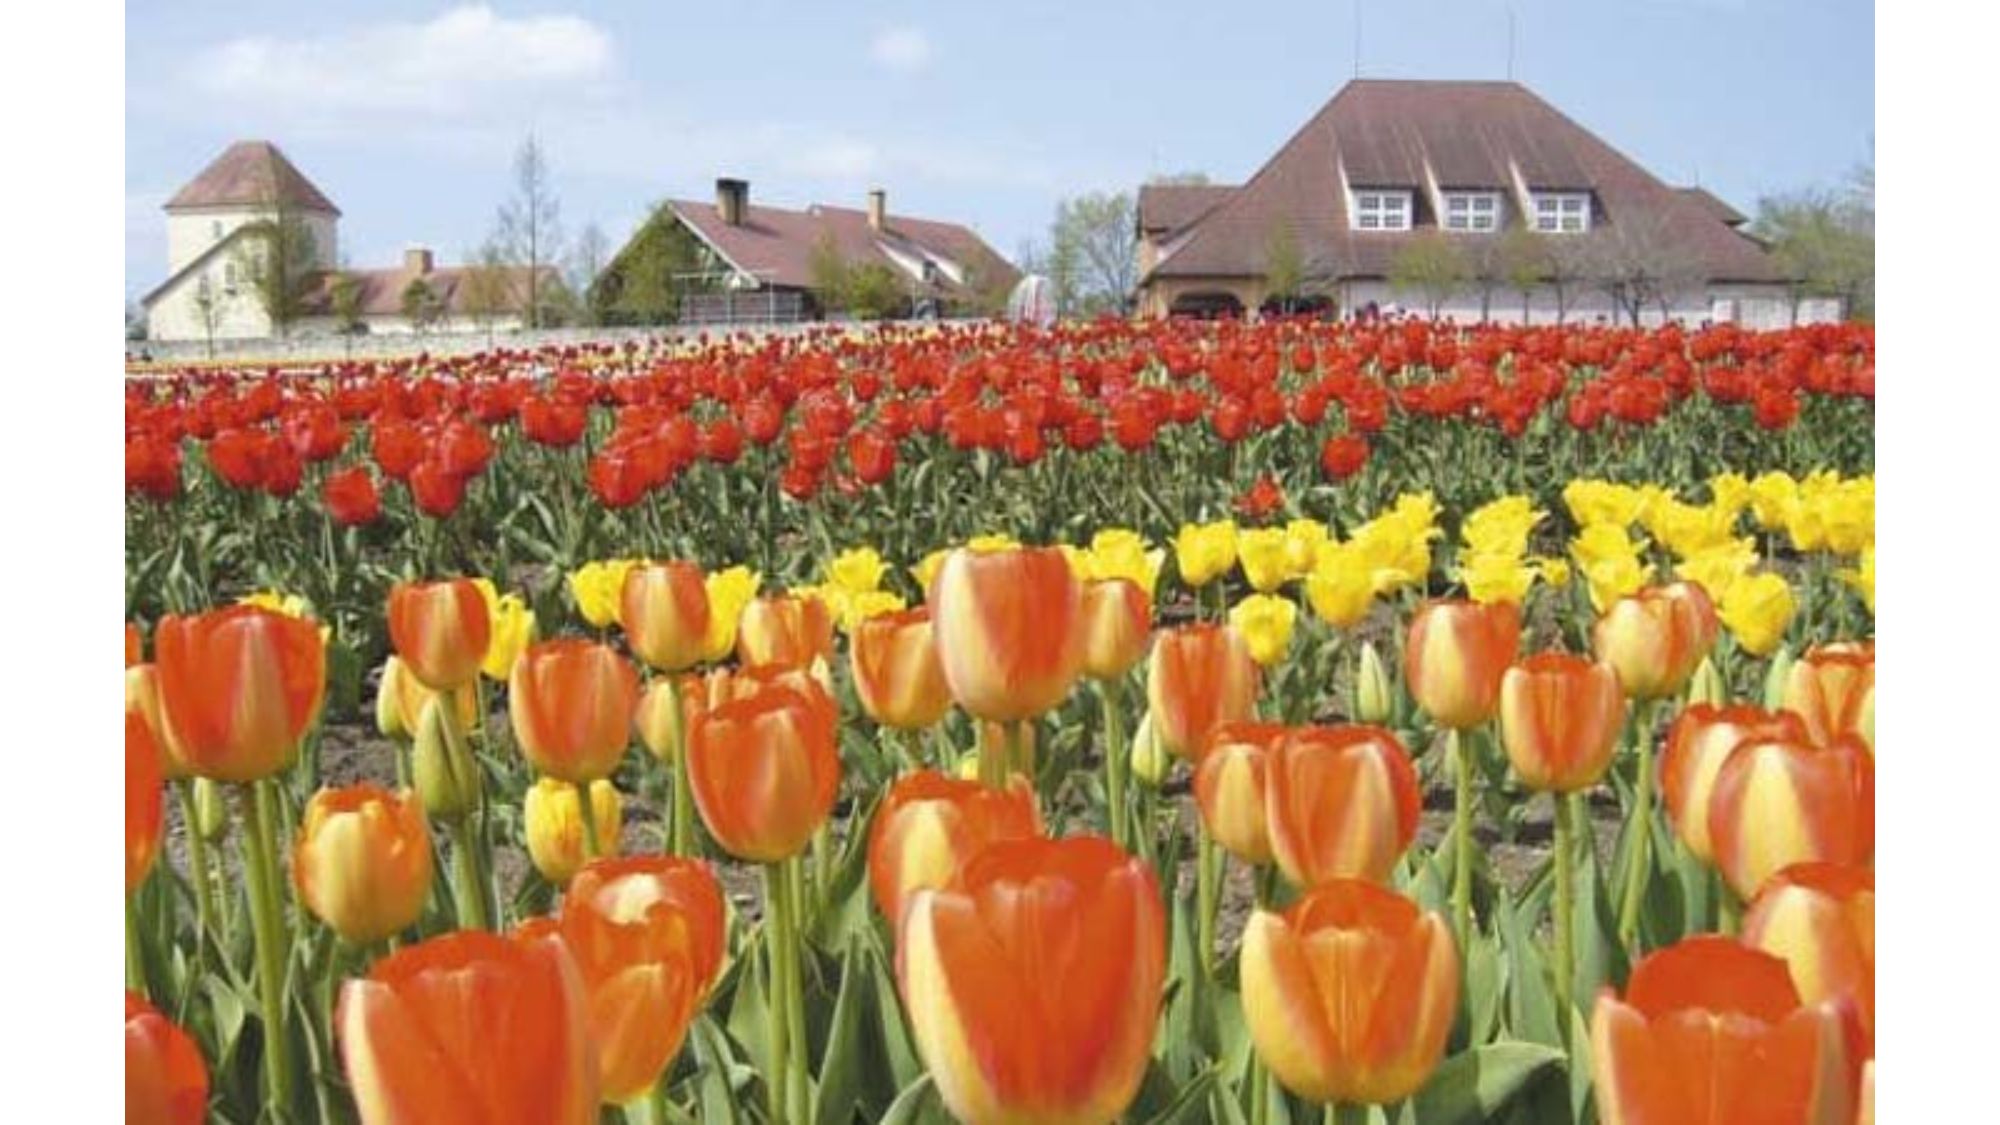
x: 903, y: 49
x: 443, y: 66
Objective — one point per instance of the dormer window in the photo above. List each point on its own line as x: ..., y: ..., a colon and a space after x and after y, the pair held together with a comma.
x: 1381, y: 210
x: 1472, y: 210
x: 1562, y: 212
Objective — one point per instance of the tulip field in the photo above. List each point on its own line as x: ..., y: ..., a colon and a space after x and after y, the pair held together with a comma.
x: 1276, y: 722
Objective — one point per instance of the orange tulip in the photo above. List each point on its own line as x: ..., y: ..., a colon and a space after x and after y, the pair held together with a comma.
x: 362, y: 863
x: 663, y: 609
x: 134, y: 649
x: 142, y: 698
x: 440, y: 630
x: 1008, y: 626
x: 239, y: 687
x: 1820, y: 917
x: 647, y: 933
x: 1033, y: 984
x: 1711, y: 1031
x: 930, y: 825
x: 1117, y: 623
x: 1864, y: 1114
x: 1349, y: 994
x: 661, y: 717
x: 785, y: 629
x: 1778, y: 802
x: 897, y: 673
x: 166, y: 1081
x: 1455, y: 657
x: 1200, y: 677
x: 1832, y: 688
x: 1559, y: 719
x: 1697, y: 744
x: 572, y: 702
x: 404, y: 696
x: 1229, y: 787
x: 468, y: 1029
x: 1656, y: 638
x: 145, y: 804
x: 765, y: 770
x: 1341, y: 802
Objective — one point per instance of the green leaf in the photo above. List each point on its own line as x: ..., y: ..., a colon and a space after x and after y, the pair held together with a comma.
x: 918, y: 1104
x: 1530, y: 1008
x: 1475, y: 1085
x: 1186, y: 1102
x: 716, y: 1088
x: 844, y: 1065
x: 749, y: 1008
x: 1483, y: 987
x: 848, y: 908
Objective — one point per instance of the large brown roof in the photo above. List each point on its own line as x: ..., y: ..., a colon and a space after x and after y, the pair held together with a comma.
x: 381, y: 291
x: 1164, y: 208
x: 775, y: 245
x: 251, y: 173
x: 1386, y: 133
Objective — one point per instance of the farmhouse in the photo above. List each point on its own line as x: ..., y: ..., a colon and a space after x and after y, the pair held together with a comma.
x: 251, y: 214
x: 734, y: 261
x: 1472, y: 200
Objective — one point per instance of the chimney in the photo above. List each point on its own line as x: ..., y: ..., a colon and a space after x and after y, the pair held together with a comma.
x: 878, y: 210
x: 732, y: 199
x: 417, y: 259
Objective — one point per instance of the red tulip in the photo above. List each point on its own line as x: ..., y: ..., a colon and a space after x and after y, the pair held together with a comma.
x: 351, y: 498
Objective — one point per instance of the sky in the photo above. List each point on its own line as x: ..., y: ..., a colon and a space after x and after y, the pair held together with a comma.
x: 409, y: 115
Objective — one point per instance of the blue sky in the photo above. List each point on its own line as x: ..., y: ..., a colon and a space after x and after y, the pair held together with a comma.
x: 408, y: 115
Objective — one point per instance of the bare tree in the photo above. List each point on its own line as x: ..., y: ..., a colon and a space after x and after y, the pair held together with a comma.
x: 208, y: 308
x: 1522, y: 263
x: 529, y: 234
x: 587, y: 261
x: 1430, y: 264
x: 1824, y: 243
x: 344, y: 301
x: 1637, y: 263
x: 420, y: 305
x: 278, y: 254
x: 1565, y: 266
x: 1095, y: 243
x: 486, y: 287
x: 1284, y: 268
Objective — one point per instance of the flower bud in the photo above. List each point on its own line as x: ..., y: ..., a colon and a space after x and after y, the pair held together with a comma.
x: 1150, y: 759
x: 211, y: 812
x: 552, y: 819
x: 1374, y: 694
x: 661, y: 720
x: 389, y: 703
x: 1707, y: 685
x: 446, y: 775
x: 1776, y: 677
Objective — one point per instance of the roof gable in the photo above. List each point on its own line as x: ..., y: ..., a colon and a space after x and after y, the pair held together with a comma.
x: 249, y: 174
x: 775, y: 245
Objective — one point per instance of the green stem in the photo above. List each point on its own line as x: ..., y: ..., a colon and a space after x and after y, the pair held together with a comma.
x: 1460, y: 748
x: 267, y: 921
x: 204, y: 910
x: 783, y: 940
x: 135, y: 961
x: 684, y: 837
x: 1565, y: 920
x: 1260, y: 1090
x: 1116, y: 764
x: 993, y: 758
x: 470, y: 899
x: 1207, y: 875
x: 1729, y: 909
x: 796, y: 1004
x: 589, y: 815
x: 1640, y: 821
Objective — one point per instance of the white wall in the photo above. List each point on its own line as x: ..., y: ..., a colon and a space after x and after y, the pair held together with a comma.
x: 177, y: 315
x: 192, y: 231
x: 1755, y: 306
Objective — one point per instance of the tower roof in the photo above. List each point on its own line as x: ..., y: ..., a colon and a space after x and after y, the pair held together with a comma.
x: 251, y: 173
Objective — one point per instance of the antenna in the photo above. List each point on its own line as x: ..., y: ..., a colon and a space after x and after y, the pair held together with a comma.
x: 1357, y: 38
x: 1510, y: 42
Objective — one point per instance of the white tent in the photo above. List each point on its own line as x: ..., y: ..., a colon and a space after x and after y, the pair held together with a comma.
x: 1033, y: 301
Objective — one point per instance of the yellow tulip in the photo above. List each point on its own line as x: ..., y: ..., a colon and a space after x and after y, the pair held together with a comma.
x: 1304, y: 540
x: 1119, y: 552
x: 1718, y: 568
x: 1341, y: 587
x: 859, y: 607
x: 291, y: 605
x: 728, y: 592
x: 927, y: 570
x: 553, y: 823
x: 1266, y: 562
x: 857, y: 571
x: 1266, y: 622
x: 1862, y: 577
x: 1497, y: 578
x: 1554, y: 571
x: 597, y: 587
x: 1757, y: 610
x: 1501, y: 528
x: 1688, y: 529
x: 511, y: 629
x: 1729, y: 491
x: 1205, y: 552
x: 1772, y: 496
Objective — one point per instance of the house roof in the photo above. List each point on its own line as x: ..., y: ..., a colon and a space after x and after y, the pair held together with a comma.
x: 1413, y: 134
x: 196, y: 264
x: 381, y: 291
x: 251, y: 173
x: 775, y: 245
x: 1165, y: 208
x: 1715, y: 205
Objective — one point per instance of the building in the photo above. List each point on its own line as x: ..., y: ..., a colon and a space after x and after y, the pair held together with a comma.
x: 217, y: 241
x: 731, y: 261
x: 1433, y: 184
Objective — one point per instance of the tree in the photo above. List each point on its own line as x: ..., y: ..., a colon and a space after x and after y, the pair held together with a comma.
x: 486, y: 287
x: 642, y: 284
x: 277, y: 254
x: 1284, y: 267
x: 344, y: 301
x: 1522, y: 262
x: 1430, y: 264
x: 587, y: 262
x: 530, y: 233
x: 1637, y: 262
x: 1824, y: 242
x: 135, y: 321
x: 1096, y: 240
x: 208, y: 309
x: 830, y: 274
x: 1180, y: 179
x: 420, y: 305
x: 1565, y: 264
x: 1485, y: 269
x: 875, y: 292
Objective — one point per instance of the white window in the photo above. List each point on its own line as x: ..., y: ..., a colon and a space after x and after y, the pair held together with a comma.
x: 1565, y: 212
x: 1472, y: 210
x: 1381, y: 210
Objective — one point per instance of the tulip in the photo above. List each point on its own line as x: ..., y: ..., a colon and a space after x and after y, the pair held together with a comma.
x: 513, y: 631
x: 1033, y: 984
x: 647, y: 933
x: 1229, y: 788
x: 664, y: 611
x: 238, y: 689
x: 1341, y: 803
x: 1200, y: 676
x: 571, y: 702
x: 442, y: 767
x: 661, y: 719
x: 1560, y: 716
x: 523, y: 1050
x: 1009, y: 630
x: 786, y: 630
x: 729, y: 591
x: 1820, y: 918
x: 1697, y: 744
x: 1758, y: 608
x: 897, y: 674
x: 1340, y: 587
x: 1349, y: 994
x: 1205, y: 552
x: 1265, y: 558
x: 1777, y: 802
x: 764, y: 770
x: 598, y: 588
x: 1832, y: 687
x: 1707, y: 685
x: 145, y: 807
x: 440, y: 630
x: 1265, y: 621
x: 1374, y: 693
x: 362, y: 863
x: 166, y: 1081
x: 1710, y: 1031
x: 1117, y: 624
x: 1456, y: 655
x: 553, y: 821
x: 929, y: 825
x: 133, y: 646
x: 1150, y: 760
x: 1654, y: 639
x: 400, y: 700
